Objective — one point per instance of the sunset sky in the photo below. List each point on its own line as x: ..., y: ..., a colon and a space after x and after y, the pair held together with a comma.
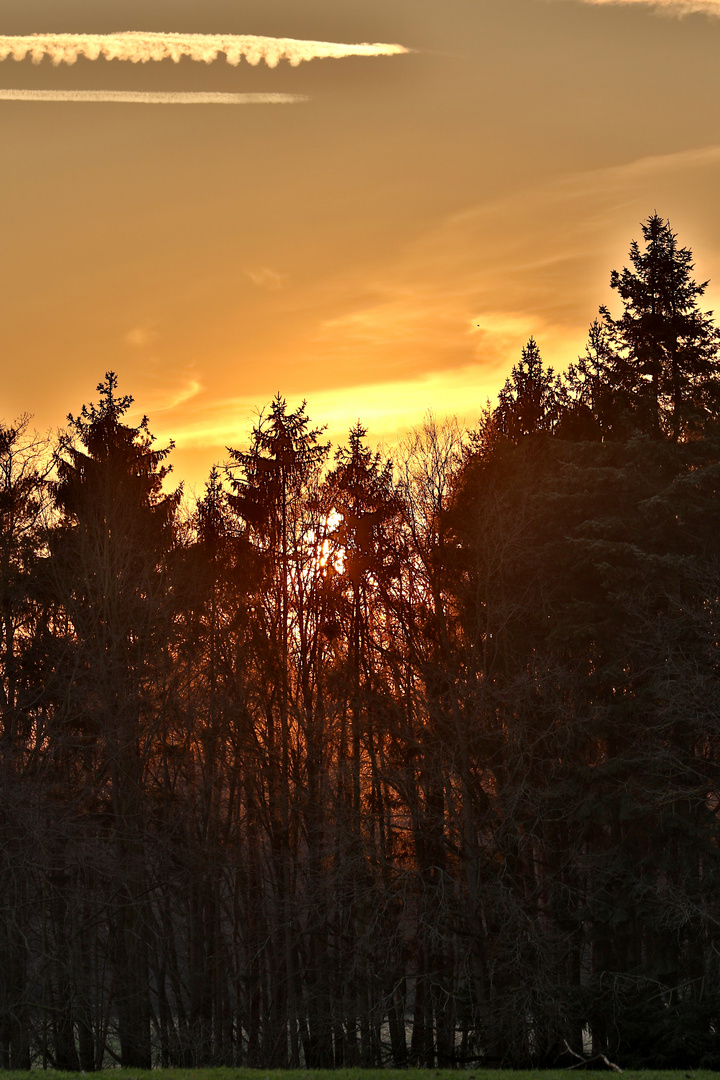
x: 381, y: 240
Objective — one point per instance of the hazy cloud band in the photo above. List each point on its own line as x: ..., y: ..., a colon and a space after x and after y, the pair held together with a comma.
x: 676, y: 7
x: 149, y: 98
x: 142, y: 47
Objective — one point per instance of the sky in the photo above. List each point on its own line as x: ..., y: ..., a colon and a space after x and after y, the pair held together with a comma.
x: 378, y: 233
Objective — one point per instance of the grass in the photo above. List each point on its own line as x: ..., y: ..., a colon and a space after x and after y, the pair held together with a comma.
x: 357, y: 1074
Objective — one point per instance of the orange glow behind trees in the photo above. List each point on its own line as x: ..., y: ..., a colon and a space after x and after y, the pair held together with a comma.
x: 361, y: 762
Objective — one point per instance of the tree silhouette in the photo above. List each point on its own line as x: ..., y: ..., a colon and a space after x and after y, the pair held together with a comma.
x: 527, y: 402
x: 24, y: 494
x: 409, y: 761
x: 271, y: 482
x: 108, y: 552
x: 665, y: 347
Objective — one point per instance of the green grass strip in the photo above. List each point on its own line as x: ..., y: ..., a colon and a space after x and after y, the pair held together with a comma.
x: 359, y: 1074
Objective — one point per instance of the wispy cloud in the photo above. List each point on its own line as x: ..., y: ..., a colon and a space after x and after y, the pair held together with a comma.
x: 547, y: 252
x: 142, y: 47
x: 671, y: 7
x: 142, y: 97
x: 267, y: 278
x: 140, y: 337
x: 181, y: 396
x: 159, y: 398
x: 389, y: 408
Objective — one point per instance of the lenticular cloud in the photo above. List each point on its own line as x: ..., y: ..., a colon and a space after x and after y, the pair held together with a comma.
x: 141, y: 47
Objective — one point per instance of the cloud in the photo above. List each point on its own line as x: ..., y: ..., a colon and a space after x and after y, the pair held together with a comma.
x: 142, y: 97
x: 267, y: 278
x: 184, y: 394
x: 142, y: 47
x: 139, y: 337
x: 671, y: 7
x: 441, y: 323
x: 473, y: 287
x: 159, y: 398
x: 387, y: 408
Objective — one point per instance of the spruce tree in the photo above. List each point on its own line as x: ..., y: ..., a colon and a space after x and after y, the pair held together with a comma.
x: 108, y: 555
x: 665, y: 348
x: 527, y: 402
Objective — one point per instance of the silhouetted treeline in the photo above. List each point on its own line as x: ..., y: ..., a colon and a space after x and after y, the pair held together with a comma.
x: 364, y: 762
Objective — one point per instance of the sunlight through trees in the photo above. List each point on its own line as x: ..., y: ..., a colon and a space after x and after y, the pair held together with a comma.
x: 367, y: 760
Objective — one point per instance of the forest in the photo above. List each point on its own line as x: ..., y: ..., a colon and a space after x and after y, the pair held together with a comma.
x: 367, y: 759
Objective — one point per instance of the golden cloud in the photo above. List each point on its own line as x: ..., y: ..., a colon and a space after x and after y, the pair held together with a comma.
x: 671, y: 7
x: 142, y: 47
x: 143, y: 97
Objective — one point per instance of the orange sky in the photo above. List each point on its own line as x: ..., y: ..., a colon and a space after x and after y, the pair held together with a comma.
x: 383, y: 247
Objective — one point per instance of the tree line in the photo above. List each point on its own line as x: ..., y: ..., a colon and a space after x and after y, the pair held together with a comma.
x: 367, y: 761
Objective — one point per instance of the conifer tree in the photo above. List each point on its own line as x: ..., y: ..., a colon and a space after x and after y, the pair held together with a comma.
x: 587, y: 406
x: 271, y: 483
x: 665, y: 347
x: 527, y: 402
x: 108, y: 555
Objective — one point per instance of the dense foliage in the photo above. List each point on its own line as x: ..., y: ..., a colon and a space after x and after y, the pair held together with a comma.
x: 364, y: 762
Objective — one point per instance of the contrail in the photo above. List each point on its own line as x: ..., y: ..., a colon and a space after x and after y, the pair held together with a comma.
x: 141, y: 47
x: 672, y: 7
x: 148, y: 98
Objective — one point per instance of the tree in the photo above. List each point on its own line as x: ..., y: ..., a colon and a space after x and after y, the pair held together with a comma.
x: 588, y: 406
x: 362, y: 507
x: 109, y: 551
x: 527, y: 402
x: 24, y: 467
x: 430, y: 463
x: 275, y: 484
x: 589, y: 594
x: 359, y: 490
x: 665, y: 348
x: 25, y: 463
